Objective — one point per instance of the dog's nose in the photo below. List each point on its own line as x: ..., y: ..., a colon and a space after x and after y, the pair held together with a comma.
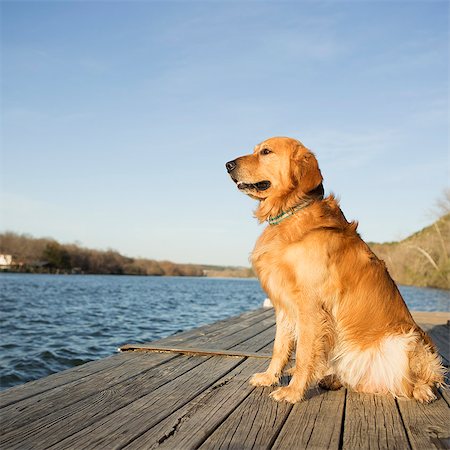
x: 230, y: 165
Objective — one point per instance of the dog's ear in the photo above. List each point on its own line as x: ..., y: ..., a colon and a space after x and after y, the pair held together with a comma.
x: 308, y: 173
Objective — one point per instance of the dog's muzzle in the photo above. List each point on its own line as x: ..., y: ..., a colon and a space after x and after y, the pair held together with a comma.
x: 259, y: 186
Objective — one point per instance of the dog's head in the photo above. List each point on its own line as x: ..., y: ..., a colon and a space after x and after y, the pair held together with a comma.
x: 279, y: 172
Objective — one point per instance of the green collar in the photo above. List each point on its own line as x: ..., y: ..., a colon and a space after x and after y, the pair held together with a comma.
x: 285, y: 214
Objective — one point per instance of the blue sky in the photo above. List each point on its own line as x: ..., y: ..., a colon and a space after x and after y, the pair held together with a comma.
x: 118, y: 117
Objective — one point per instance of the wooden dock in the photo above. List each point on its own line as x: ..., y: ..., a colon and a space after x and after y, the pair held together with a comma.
x: 144, y: 400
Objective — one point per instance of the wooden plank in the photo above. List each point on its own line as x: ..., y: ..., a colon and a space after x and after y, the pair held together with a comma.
x: 445, y: 390
x: 432, y: 317
x: 373, y: 421
x: 441, y: 336
x: 314, y: 423
x: 106, y: 406
x: 26, y: 411
x: 427, y: 425
x: 33, y: 388
x: 72, y: 379
x: 199, y: 335
x: 255, y: 423
x: 231, y: 325
x: 127, y: 423
x: 67, y: 420
x: 189, y: 426
x: 236, y: 332
x: 445, y: 393
x: 192, y: 351
x: 118, y: 428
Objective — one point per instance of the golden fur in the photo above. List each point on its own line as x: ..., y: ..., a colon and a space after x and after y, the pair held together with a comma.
x: 334, y: 299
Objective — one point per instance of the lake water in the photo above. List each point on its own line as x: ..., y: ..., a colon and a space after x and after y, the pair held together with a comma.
x: 49, y: 323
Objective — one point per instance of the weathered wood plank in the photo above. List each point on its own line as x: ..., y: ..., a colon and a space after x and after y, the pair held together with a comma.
x: 441, y: 336
x: 253, y: 424
x: 67, y: 393
x: 26, y: 411
x: 314, y: 423
x: 427, y: 425
x: 431, y: 317
x: 217, y: 329
x: 47, y: 427
x: 127, y: 423
x: 119, y: 427
x: 189, y: 426
x: 445, y: 390
x: 49, y: 430
x: 373, y: 421
x: 202, y: 334
x: 32, y: 388
x: 445, y: 393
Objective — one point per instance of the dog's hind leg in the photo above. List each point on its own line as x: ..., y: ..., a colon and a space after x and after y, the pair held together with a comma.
x: 330, y: 383
x: 282, y: 350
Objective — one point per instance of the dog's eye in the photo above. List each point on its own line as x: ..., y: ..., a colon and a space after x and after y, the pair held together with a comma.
x: 265, y: 151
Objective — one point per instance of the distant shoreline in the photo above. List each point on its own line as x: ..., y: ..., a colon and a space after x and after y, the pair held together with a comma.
x: 26, y: 254
x: 422, y: 259
x: 210, y: 276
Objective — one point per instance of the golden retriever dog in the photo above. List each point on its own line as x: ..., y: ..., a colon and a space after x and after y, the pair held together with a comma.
x: 333, y: 298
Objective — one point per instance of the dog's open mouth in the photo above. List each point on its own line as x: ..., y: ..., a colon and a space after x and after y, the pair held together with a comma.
x: 260, y: 186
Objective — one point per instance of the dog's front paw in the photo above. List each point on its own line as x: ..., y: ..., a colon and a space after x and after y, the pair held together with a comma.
x: 263, y: 379
x: 287, y: 394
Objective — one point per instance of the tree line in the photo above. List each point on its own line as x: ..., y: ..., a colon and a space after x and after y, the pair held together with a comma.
x: 422, y: 259
x: 45, y: 255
